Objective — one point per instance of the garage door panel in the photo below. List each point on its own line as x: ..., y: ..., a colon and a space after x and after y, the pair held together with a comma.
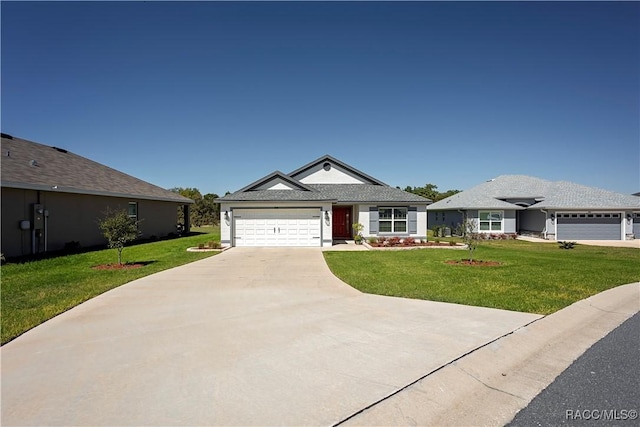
x: 277, y: 227
x: 589, y: 227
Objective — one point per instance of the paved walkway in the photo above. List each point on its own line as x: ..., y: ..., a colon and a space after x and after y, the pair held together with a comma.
x: 611, y: 243
x: 248, y: 337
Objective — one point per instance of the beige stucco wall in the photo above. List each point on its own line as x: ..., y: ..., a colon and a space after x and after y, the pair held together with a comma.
x: 73, y: 217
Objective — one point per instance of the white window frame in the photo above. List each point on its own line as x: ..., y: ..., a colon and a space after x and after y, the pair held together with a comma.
x: 393, y: 220
x: 490, y: 221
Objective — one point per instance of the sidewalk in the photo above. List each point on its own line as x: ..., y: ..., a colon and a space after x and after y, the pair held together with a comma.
x: 610, y: 243
x: 490, y: 385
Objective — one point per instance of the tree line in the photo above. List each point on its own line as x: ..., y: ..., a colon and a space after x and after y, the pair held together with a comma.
x: 204, y: 211
x: 430, y: 191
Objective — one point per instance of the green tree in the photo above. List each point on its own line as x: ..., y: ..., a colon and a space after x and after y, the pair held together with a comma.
x: 203, y: 211
x: 430, y: 191
x: 193, y: 194
x: 118, y: 228
x: 209, y: 210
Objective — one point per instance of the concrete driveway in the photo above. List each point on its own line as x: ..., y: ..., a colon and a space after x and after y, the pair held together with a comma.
x: 259, y: 336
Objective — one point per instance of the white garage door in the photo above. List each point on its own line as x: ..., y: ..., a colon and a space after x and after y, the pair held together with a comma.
x: 277, y: 227
x: 592, y: 226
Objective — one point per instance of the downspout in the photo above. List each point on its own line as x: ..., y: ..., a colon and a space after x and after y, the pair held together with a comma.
x: 546, y: 218
x: 46, y: 229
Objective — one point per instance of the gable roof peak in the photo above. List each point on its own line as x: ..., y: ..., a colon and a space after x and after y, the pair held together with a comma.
x: 333, y: 160
x: 276, y: 175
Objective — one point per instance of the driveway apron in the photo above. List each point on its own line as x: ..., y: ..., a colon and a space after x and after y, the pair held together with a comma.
x: 252, y: 336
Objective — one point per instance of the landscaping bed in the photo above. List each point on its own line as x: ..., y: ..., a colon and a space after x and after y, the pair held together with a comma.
x: 377, y: 243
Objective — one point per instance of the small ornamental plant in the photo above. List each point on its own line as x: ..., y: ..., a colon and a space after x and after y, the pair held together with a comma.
x: 118, y: 228
x: 566, y: 245
x: 470, y: 236
x: 357, y: 228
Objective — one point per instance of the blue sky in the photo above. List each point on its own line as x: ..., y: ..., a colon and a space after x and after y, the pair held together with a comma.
x: 215, y: 95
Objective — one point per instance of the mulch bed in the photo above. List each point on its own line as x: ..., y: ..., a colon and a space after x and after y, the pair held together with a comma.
x: 474, y: 263
x: 414, y: 245
x: 117, y: 266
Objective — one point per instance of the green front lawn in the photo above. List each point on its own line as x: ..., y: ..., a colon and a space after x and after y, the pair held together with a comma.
x: 534, y: 277
x: 33, y: 292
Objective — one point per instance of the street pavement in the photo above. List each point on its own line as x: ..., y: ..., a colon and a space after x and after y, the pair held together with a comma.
x: 601, y: 387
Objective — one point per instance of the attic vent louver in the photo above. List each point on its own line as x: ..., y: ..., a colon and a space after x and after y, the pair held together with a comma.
x: 62, y: 150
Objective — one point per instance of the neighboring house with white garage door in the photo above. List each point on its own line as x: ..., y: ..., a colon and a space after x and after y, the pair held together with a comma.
x: 317, y: 204
x: 555, y: 210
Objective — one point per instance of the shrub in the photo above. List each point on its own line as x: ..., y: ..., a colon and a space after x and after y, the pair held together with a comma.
x: 118, y: 228
x: 566, y: 245
x: 394, y: 241
x: 439, y: 230
x: 372, y: 240
x: 452, y: 243
x: 382, y: 241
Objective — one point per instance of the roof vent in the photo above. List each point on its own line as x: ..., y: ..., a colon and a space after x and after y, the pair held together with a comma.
x: 6, y: 135
x: 62, y: 150
x: 34, y: 163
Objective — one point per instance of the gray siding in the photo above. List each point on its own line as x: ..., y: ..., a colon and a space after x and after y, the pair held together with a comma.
x: 449, y: 218
x: 532, y: 220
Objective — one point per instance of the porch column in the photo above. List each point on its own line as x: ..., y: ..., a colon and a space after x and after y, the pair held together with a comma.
x: 187, y: 222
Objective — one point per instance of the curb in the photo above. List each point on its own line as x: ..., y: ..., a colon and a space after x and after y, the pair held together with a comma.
x: 490, y: 385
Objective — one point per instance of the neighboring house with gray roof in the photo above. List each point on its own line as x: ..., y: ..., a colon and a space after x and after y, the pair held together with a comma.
x: 317, y: 204
x: 555, y: 210
x: 51, y: 197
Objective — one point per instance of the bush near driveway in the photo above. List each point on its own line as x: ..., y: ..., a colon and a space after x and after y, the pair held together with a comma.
x: 533, y: 277
x: 34, y: 292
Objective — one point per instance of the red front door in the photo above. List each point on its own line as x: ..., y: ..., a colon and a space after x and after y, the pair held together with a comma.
x: 341, y: 222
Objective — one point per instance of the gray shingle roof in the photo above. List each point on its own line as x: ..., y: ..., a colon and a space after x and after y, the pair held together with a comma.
x: 364, y: 193
x: 341, y: 193
x: 29, y: 165
x: 544, y: 194
x: 374, y: 192
x: 274, y: 195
